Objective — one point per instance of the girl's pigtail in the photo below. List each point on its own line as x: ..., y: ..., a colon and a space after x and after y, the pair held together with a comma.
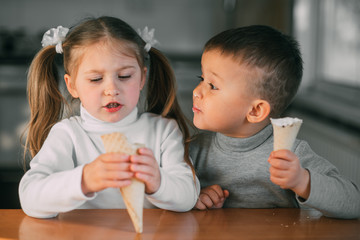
x: 161, y: 96
x: 45, y: 99
x: 162, y: 83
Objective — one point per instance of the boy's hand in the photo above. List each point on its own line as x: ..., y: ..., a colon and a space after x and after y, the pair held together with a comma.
x: 286, y: 171
x: 211, y: 197
x: 108, y: 170
x: 146, y: 169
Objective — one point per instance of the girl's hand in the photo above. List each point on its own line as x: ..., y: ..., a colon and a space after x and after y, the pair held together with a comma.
x: 109, y: 170
x: 146, y: 169
x: 286, y: 171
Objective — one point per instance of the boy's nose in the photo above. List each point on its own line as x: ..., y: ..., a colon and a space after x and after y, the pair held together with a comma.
x: 197, y: 92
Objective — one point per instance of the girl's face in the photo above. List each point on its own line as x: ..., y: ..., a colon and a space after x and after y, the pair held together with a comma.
x: 222, y: 100
x: 108, y: 83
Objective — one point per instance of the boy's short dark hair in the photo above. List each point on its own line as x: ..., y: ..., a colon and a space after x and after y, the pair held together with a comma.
x: 275, y: 54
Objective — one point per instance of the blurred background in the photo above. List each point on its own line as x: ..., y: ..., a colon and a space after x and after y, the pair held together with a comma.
x: 328, y: 32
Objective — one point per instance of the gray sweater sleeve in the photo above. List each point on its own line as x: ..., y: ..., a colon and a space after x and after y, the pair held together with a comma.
x: 330, y: 193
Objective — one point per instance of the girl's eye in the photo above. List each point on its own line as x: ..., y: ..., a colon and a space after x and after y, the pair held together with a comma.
x: 213, y: 87
x: 95, y: 79
x: 124, y: 76
x: 200, y: 78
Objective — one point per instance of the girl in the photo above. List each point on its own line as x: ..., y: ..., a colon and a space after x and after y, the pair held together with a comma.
x: 105, y: 68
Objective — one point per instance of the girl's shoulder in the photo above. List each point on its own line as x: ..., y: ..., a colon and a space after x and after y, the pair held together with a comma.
x: 67, y: 124
x: 157, y: 120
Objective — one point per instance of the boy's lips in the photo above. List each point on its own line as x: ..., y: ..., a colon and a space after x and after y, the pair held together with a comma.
x: 113, y: 107
x: 195, y: 109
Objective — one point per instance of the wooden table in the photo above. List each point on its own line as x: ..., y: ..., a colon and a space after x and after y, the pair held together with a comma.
x: 161, y: 224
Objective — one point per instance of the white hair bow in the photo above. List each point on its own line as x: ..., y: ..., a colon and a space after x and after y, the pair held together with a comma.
x: 55, y: 36
x: 148, y: 37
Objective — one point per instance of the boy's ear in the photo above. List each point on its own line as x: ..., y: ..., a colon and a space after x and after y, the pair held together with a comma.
x: 259, y: 112
x: 70, y: 86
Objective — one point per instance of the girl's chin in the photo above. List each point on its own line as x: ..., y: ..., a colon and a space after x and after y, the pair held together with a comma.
x: 112, y: 119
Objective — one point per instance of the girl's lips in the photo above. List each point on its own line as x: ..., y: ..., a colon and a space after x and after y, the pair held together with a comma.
x: 113, y: 107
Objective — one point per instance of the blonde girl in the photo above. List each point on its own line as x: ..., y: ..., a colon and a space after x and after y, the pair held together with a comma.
x: 105, y: 63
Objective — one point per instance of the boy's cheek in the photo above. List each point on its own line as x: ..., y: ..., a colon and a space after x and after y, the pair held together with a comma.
x: 198, y: 124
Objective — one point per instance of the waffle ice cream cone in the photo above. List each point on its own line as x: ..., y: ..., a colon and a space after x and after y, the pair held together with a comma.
x: 133, y: 194
x: 285, y: 132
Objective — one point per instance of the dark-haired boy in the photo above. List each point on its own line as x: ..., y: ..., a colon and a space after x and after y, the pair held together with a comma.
x: 250, y: 74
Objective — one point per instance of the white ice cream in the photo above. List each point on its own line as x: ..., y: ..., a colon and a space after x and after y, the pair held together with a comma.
x: 285, y: 132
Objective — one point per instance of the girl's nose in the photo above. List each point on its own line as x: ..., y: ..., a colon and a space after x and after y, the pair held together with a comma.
x: 111, y: 88
x: 111, y: 92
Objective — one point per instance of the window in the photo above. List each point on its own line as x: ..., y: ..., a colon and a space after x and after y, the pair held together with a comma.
x: 339, y: 52
x: 328, y: 32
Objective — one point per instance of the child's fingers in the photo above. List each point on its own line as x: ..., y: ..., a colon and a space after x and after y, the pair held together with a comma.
x: 145, y: 168
x: 145, y: 151
x: 117, y: 167
x: 226, y: 193
x: 114, y: 157
x: 116, y: 183
x: 219, y: 204
x: 217, y: 190
x: 279, y: 163
x: 276, y: 173
x: 143, y: 160
x: 118, y: 175
x: 142, y: 168
x: 206, y: 200
x: 283, y: 154
x: 215, y: 196
x: 200, y: 205
x: 145, y: 177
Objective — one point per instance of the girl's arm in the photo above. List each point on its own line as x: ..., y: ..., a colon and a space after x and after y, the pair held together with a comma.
x: 178, y: 190
x: 53, y: 183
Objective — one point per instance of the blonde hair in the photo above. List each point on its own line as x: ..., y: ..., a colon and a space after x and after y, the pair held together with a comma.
x: 47, y: 104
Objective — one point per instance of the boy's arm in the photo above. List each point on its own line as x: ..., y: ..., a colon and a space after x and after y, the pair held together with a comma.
x: 329, y: 192
x: 211, y: 197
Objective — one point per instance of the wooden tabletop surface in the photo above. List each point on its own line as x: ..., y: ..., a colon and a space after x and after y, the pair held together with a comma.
x: 161, y: 224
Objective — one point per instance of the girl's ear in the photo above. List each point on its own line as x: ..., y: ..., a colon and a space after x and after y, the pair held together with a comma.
x: 70, y: 86
x: 259, y: 112
x: 143, y: 79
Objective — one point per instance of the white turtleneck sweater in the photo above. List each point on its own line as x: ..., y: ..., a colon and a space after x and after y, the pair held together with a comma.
x: 53, y: 183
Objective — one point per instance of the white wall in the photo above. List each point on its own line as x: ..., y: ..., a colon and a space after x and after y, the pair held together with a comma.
x: 181, y: 26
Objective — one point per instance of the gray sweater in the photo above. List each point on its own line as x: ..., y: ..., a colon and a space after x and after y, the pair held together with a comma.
x: 240, y: 166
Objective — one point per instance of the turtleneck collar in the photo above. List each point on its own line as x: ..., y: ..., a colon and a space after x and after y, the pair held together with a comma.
x: 227, y: 144
x: 92, y: 124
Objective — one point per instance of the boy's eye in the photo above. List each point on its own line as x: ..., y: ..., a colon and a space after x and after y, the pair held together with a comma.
x: 213, y: 87
x: 200, y: 78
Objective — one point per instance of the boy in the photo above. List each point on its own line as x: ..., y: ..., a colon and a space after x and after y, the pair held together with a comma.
x: 250, y: 74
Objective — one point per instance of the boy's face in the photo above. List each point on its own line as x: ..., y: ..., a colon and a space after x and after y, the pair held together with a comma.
x: 223, y: 98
